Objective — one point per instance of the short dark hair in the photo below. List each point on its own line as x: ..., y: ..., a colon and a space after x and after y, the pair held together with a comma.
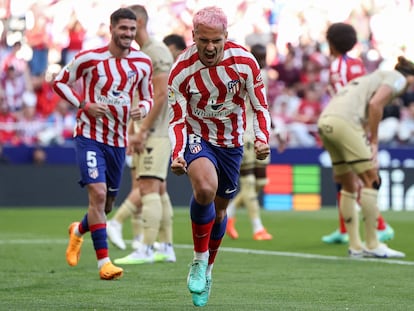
x: 259, y: 52
x: 140, y: 12
x: 342, y: 37
x: 122, y: 13
x: 174, y: 39
x: 404, y: 66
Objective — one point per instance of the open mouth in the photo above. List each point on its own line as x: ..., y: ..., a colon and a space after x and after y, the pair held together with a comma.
x: 210, y: 57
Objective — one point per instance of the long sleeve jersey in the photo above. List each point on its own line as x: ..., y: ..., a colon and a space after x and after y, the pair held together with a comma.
x: 211, y: 101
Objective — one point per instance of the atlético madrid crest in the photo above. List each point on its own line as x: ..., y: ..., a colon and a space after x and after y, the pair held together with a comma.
x: 195, y: 148
x: 93, y: 173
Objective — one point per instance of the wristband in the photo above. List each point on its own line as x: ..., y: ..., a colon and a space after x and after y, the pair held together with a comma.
x: 82, y: 104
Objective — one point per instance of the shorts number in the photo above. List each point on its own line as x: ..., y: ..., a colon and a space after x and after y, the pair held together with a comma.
x: 91, y: 159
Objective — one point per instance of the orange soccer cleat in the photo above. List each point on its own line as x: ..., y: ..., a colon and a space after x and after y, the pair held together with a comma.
x: 262, y: 235
x: 231, y: 230
x: 110, y: 272
x: 74, y: 247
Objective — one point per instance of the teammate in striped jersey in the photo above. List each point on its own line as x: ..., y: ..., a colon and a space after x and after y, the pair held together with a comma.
x: 110, y: 77
x: 150, y: 204
x: 209, y: 87
x: 342, y: 38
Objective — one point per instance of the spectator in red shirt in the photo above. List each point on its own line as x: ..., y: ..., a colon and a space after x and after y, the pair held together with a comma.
x: 47, y: 99
x: 76, y: 36
x: 303, y: 127
x: 8, y: 124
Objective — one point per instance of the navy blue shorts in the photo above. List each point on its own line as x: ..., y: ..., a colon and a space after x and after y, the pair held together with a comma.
x: 99, y: 162
x: 226, y: 160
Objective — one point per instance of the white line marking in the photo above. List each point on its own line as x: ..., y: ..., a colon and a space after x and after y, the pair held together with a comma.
x: 304, y: 255
x: 234, y: 250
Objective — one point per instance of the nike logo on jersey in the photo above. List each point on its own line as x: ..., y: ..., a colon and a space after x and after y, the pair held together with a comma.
x: 112, y: 189
x: 228, y: 191
x: 216, y: 107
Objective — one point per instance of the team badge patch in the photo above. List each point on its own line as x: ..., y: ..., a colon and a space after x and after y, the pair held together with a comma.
x: 93, y: 173
x: 195, y: 148
x: 131, y: 74
x: 233, y: 86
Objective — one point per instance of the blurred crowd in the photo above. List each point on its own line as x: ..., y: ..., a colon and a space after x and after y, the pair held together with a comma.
x: 39, y: 37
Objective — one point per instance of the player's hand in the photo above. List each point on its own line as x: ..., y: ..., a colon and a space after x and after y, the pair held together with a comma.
x: 137, y: 113
x: 138, y: 141
x: 262, y: 150
x: 129, y: 149
x: 179, y: 166
x: 96, y: 110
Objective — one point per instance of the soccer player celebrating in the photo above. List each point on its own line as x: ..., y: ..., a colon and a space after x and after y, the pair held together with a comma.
x: 342, y: 38
x: 348, y: 127
x: 110, y: 76
x: 150, y: 138
x: 209, y: 87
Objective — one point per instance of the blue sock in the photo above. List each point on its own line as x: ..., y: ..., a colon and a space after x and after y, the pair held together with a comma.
x: 219, y: 230
x: 84, y: 225
x: 202, y: 214
x: 99, y: 238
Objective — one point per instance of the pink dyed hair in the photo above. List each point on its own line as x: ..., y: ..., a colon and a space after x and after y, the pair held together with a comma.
x: 211, y: 16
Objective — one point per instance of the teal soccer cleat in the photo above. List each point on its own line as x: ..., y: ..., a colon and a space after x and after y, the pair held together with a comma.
x: 196, y: 280
x: 200, y: 300
x: 386, y: 234
x: 336, y: 237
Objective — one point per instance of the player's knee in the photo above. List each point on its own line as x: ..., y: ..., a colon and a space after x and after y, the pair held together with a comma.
x: 204, y: 195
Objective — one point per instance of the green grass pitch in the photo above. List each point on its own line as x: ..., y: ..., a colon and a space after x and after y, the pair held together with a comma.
x: 294, y: 271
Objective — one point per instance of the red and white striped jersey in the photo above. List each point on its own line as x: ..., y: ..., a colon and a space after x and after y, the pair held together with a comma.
x: 344, y: 69
x: 109, y: 80
x: 211, y: 101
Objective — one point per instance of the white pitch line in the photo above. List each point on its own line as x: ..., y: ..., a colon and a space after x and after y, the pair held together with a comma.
x: 234, y: 250
x: 305, y: 255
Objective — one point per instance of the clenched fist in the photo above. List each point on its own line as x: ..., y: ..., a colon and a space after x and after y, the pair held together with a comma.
x: 262, y: 150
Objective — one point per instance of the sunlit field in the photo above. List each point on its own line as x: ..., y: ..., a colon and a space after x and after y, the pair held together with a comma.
x: 294, y: 271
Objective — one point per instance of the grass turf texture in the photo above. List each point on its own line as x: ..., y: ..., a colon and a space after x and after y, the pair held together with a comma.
x: 294, y: 271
